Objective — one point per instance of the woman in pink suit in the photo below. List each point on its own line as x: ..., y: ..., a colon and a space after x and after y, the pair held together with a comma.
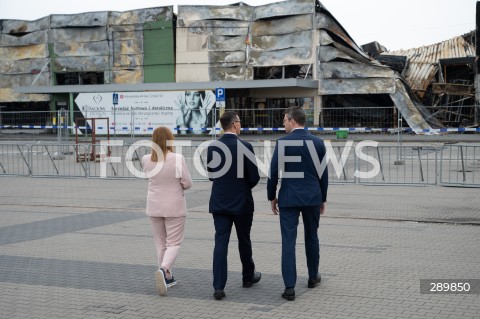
x: 168, y: 178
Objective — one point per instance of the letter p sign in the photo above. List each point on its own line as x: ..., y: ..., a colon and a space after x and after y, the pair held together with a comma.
x: 220, y: 94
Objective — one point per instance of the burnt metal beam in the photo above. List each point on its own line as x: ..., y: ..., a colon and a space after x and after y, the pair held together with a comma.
x: 452, y: 89
x: 177, y: 86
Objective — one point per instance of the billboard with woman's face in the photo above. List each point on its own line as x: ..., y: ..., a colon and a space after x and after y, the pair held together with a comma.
x: 140, y: 112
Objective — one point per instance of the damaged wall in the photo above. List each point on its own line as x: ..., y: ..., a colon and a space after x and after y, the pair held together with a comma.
x: 344, y: 68
x: 23, y: 54
x: 441, y: 75
x: 233, y: 42
x: 423, y: 62
x: 228, y: 42
x: 75, y: 47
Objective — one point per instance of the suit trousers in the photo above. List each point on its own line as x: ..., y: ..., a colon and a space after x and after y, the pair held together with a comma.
x: 289, y: 217
x: 223, y: 227
x: 168, y: 233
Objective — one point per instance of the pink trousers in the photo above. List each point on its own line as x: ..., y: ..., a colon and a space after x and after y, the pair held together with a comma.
x: 168, y: 235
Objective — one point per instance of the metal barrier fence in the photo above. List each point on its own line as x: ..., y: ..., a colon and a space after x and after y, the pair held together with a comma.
x: 460, y: 165
x: 359, y: 117
x: 82, y: 160
x: 457, y: 165
x: 15, y: 159
x: 136, y: 123
x: 400, y: 165
x: 23, y: 118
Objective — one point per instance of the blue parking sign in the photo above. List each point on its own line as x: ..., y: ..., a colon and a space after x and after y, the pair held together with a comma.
x: 220, y: 94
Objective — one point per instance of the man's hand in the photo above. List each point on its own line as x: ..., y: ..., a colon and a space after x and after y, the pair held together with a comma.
x: 322, y: 208
x: 275, y: 206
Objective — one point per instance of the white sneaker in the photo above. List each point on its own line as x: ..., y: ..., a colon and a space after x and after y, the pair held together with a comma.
x: 171, y: 282
x: 161, y: 282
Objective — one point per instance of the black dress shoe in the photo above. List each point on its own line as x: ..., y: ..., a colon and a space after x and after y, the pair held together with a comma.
x: 255, y: 278
x: 312, y: 283
x: 219, y: 294
x: 289, y: 294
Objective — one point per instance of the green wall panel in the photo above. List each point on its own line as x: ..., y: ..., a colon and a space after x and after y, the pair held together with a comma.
x: 159, y: 52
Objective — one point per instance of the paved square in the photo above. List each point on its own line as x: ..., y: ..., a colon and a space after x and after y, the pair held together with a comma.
x: 82, y: 248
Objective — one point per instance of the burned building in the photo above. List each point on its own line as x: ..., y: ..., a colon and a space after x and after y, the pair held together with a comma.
x: 442, y: 76
x: 299, y: 40
x: 94, y: 48
x: 266, y: 58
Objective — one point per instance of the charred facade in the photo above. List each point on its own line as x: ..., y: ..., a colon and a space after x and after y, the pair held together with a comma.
x: 245, y: 46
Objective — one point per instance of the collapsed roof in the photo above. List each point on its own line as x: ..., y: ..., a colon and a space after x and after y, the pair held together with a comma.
x: 442, y: 76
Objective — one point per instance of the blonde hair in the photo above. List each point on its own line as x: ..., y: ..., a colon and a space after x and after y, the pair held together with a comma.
x: 160, y: 137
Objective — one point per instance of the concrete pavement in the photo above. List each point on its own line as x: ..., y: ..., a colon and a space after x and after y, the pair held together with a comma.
x: 82, y: 248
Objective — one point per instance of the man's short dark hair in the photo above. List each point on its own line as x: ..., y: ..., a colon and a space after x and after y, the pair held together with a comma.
x: 296, y: 113
x: 227, y: 119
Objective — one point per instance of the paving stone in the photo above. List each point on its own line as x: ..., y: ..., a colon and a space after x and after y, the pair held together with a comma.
x: 82, y: 248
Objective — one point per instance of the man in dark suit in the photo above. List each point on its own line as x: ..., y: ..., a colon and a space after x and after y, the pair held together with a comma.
x: 304, y: 182
x: 231, y: 201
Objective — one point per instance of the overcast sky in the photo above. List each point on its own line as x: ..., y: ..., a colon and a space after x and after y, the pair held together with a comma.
x: 394, y: 24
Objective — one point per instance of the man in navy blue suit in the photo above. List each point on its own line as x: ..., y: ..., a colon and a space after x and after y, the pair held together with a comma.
x: 300, y: 157
x: 231, y: 202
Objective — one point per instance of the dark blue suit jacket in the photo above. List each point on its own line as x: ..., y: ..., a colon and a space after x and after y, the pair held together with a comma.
x: 231, y: 193
x: 311, y: 190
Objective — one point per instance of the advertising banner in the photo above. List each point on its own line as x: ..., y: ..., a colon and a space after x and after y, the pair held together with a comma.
x: 142, y: 112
